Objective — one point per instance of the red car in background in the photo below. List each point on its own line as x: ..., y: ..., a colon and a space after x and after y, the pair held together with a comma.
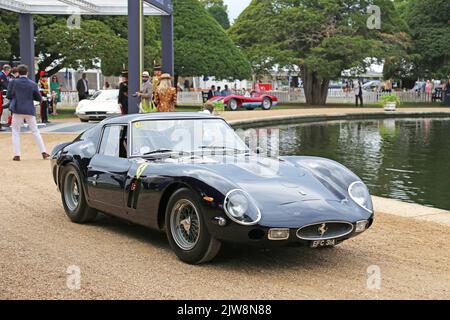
x: 234, y: 102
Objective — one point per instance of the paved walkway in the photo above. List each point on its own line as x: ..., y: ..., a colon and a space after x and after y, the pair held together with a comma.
x: 72, y: 126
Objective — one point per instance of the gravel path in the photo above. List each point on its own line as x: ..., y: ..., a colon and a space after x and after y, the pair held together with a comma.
x: 122, y: 261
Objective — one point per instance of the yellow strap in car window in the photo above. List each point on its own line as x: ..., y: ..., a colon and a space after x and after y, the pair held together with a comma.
x: 138, y: 125
x: 141, y: 170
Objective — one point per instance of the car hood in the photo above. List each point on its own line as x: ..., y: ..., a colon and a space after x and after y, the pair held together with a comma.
x: 287, y: 194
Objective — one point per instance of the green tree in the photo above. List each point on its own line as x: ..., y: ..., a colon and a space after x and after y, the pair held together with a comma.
x: 322, y: 37
x: 219, y: 10
x: 5, y: 46
x: 428, y: 21
x: 202, y: 47
x: 99, y: 39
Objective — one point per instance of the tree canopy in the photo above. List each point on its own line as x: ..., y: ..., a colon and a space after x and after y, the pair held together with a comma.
x: 322, y: 37
x: 219, y: 10
x: 202, y: 47
x: 99, y: 39
x: 429, y: 25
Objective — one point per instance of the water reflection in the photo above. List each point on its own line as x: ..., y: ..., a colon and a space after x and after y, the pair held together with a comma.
x: 403, y: 159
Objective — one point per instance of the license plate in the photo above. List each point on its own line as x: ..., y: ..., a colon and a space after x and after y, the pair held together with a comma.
x: 323, y: 243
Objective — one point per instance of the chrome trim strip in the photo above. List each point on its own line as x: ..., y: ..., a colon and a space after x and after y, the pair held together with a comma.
x: 326, y: 238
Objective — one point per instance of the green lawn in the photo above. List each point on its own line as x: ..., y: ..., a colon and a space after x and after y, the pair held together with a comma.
x: 64, y: 113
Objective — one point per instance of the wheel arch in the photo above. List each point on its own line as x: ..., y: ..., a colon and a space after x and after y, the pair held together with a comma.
x: 164, y: 201
x: 71, y: 162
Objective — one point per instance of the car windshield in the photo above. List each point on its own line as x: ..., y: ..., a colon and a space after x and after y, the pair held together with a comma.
x: 151, y: 137
x: 105, y: 95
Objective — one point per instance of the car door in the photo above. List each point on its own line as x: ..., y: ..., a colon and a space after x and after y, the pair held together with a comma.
x: 108, y: 171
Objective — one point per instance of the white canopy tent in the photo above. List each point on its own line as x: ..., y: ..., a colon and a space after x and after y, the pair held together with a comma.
x: 82, y: 7
x: 134, y: 9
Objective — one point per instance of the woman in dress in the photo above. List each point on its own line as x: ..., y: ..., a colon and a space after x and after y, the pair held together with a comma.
x: 165, y: 95
x: 55, y: 89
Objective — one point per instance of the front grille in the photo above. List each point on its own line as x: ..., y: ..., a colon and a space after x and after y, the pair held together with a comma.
x: 325, y: 231
x: 95, y: 113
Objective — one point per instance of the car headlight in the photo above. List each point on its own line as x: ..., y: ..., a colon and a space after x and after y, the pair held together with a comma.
x: 241, y: 208
x: 360, y: 194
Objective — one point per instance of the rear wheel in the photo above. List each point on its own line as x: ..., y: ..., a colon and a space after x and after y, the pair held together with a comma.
x: 233, y: 105
x: 186, y: 230
x: 73, y: 198
x: 267, y: 103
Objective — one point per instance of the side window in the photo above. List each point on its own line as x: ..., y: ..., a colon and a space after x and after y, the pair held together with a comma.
x: 114, y: 142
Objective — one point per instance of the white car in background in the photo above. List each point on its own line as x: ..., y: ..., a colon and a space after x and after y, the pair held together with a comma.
x: 103, y: 104
x: 373, y: 85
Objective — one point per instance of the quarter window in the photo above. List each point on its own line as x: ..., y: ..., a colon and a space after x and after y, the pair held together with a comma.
x: 114, y: 142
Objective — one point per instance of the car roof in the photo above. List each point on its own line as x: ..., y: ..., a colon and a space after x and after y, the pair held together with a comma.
x: 159, y: 116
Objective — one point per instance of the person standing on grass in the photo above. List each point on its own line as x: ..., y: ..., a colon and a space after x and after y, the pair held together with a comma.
x: 45, y: 91
x: 358, y: 90
x: 123, y: 93
x: 4, y: 81
x: 211, y: 92
x: 23, y: 92
x: 83, y: 87
x: 55, y: 89
x: 165, y: 95
x: 146, y: 94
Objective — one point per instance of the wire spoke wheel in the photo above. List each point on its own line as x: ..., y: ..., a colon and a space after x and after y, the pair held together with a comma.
x: 185, y: 224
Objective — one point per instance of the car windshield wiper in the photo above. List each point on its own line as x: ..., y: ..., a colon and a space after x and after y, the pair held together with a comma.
x: 164, y: 151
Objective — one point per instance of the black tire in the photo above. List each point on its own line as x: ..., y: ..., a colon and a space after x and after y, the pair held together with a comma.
x: 84, y: 120
x: 267, y: 104
x: 233, y: 105
x: 73, y: 196
x: 202, y: 247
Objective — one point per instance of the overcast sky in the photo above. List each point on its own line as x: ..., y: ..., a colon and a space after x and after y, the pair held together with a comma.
x: 235, y: 7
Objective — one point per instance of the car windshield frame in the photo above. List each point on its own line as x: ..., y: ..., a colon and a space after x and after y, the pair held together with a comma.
x: 202, y: 149
x: 99, y: 93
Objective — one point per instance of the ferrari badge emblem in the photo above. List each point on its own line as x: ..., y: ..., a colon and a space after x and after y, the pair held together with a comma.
x: 322, y: 229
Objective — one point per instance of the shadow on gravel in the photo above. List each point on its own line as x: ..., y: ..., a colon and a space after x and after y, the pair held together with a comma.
x: 237, y: 258
x: 130, y: 230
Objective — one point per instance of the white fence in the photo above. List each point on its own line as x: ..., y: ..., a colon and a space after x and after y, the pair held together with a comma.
x: 70, y: 99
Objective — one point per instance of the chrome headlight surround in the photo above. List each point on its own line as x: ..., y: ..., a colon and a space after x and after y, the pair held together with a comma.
x: 241, y: 208
x: 360, y: 195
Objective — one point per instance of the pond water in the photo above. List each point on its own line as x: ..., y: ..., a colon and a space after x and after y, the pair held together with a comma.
x: 406, y: 159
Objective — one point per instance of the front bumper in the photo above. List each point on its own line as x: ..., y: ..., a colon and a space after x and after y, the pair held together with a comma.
x: 259, y: 235
x: 97, y: 116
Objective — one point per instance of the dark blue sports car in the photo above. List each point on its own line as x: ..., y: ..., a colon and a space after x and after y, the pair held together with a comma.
x: 190, y: 175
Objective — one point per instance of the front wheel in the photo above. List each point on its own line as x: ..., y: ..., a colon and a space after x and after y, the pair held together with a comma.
x: 84, y: 120
x: 267, y: 103
x: 233, y: 105
x: 186, y: 230
x: 73, y: 198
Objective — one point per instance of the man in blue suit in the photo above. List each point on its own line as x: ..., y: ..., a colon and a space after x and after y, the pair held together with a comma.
x: 22, y: 93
